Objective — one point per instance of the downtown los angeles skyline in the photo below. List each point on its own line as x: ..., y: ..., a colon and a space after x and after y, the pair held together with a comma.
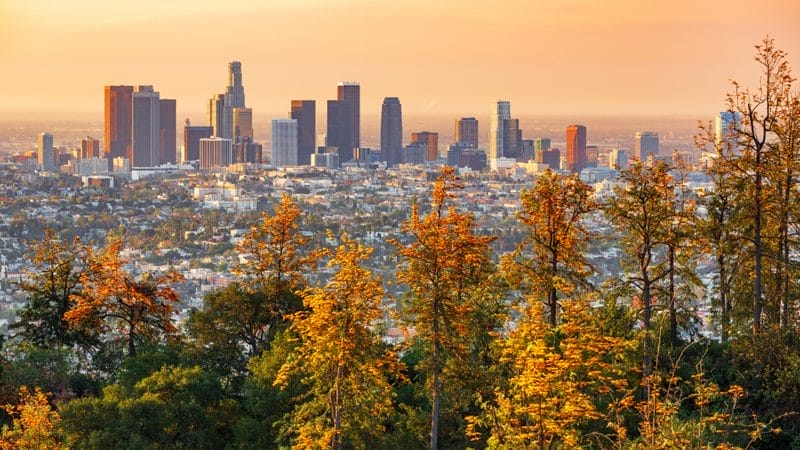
x: 617, y: 57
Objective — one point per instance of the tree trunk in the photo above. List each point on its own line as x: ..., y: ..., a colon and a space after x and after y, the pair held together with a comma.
x: 758, y: 250
x: 723, y: 297
x: 673, y: 311
x: 435, y: 388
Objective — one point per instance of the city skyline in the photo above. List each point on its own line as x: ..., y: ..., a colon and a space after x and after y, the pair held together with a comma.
x: 616, y: 57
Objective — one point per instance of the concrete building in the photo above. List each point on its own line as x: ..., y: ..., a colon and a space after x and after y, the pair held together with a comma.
x: 501, y: 111
x: 191, y: 140
x: 305, y: 113
x: 645, y: 143
x: 146, y: 137
x: 242, y: 124
x: 576, y: 148
x: 391, y: 131
x: 45, y: 153
x: 215, y: 152
x: 216, y: 112
x: 284, y: 142
x: 90, y: 148
x: 344, y: 119
x: 167, y: 139
x: 467, y: 132
x: 430, y: 140
x: 617, y: 159
x: 234, y: 98
x: 117, y: 131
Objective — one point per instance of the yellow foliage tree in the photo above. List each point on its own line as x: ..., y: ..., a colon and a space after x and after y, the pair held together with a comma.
x: 341, y: 358
x: 35, y: 424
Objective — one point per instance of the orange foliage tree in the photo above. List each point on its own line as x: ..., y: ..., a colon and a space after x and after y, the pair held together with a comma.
x: 114, y: 302
x: 35, y: 425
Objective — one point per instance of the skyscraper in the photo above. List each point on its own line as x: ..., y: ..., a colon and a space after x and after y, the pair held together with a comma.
x: 46, y: 155
x: 512, y: 138
x: 344, y: 116
x: 90, y: 148
x: 645, y: 143
x: 501, y: 111
x: 541, y: 144
x: 284, y: 142
x: 391, y: 131
x: 467, y: 131
x: 168, y: 124
x: 215, y: 152
x: 726, y: 125
x: 216, y: 112
x: 431, y: 142
x: 305, y: 113
x: 191, y: 140
x: 576, y: 148
x: 242, y: 124
x: 146, y: 122
x: 117, y: 126
x: 234, y: 97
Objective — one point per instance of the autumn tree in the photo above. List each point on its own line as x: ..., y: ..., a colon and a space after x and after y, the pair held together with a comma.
x: 276, y: 260
x: 35, y: 425
x: 54, y: 281
x: 756, y: 118
x: 341, y: 358
x: 642, y: 212
x: 116, y: 303
x: 549, y: 261
x: 447, y: 268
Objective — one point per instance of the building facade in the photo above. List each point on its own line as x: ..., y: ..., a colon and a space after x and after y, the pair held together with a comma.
x: 467, y: 132
x: 305, y: 113
x: 391, y: 131
x: 344, y: 118
x: 146, y: 137
x: 284, y: 142
x: 576, y: 148
x: 117, y: 132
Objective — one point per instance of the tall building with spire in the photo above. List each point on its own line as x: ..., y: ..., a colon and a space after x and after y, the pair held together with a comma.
x: 117, y: 125
x: 501, y: 111
x: 344, y: 120
x: 305, y: 113
x: 391, y: 131
x: 234, y: 98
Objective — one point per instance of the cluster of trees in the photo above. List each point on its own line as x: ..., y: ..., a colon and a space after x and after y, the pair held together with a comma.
x: 515, y: 351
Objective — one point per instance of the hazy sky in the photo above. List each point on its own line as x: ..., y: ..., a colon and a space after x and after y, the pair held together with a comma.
x: 618, y: 57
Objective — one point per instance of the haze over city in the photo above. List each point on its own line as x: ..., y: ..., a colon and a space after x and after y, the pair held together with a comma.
x: 566, y: 57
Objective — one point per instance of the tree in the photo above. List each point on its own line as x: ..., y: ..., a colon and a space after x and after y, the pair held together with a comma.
x: 341, y: 358
x: 51, y: 288
x: 643, y: 212
x: 35, y: 424
x: 445, y: 266
x: 550, y: 257
x: 113, y: 301
x: 276, y: 262
x: 760, y: 112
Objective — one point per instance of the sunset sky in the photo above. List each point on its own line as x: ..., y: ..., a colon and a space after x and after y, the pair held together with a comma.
x: 614, y: 57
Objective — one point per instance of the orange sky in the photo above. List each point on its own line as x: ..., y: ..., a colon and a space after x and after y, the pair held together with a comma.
x: 618, y: 57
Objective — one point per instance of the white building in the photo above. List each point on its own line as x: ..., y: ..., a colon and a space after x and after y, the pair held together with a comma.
x: 46, y: 153
x: 215, y: 152
x: 501, y: 110
x: 284, y: 142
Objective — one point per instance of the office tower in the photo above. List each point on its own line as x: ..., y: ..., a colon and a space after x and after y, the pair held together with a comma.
x: 415, y: 153
x: 46, y: 154
x: 242, y: 124
x: 344, y: 115
x: 191, y: 140
x: 541, y: 144
x: 305, y: 113
x: 645, y: 143
x: 247, y: 151
x: 391, y: 131
x: 234, y: 98
x: 454, y: 152
x: 215, y: 152
x: 216, y: 112
x: 526, y: 151
x: 167, y: 139
x: 284, y: 142
x: 550, y: 157
x: 473, y: 158
x: 431, y: 142
x: 512, y: 138
x: 146, y: 126
x: 726, y: 127
x: 576, y: 148
x: 501, y: 111
x: 90, y: 148
x: 117, y: 126
x: 467, y: 131
x: 617, y: 159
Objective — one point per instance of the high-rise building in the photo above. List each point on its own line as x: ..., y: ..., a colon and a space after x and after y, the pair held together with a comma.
x: 284, y: 142
x: 117, y: 133
x: 526, y: 151
x: 242, y: 124
x: 576, y: 148
x: 467, y: 131
x: 46, y: 155
x: 146, y: 124
x: 247, y: 151
x: 344, y: 116
x: 215, y: 152
x: 305, y: 113
x: 617, y: 159
x: 541, y: 144
x: 391, y: 131
x: 431, y: 142
x: 501, y: 111
x: 168, y: 124
x: 90, y: 148
x: 216, y: 112
x: 645, y: 143
x: 191, y: 140
x: 550, y: 157
x: 234, y: 98
x: 726, y: 126
x: 512, y: 139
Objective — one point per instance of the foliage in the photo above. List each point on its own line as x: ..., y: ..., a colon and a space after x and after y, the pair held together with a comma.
x: 35, y: 424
